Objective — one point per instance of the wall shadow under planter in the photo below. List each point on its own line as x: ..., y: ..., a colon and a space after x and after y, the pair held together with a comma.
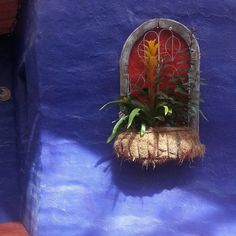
x: 131, y: 180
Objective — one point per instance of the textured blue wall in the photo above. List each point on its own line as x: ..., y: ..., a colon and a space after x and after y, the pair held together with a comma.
x: 27, y: 105
x: 80, y: 189
x: 9, y: 191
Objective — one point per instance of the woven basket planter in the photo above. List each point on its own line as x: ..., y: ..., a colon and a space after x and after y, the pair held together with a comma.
x: 159, y: 145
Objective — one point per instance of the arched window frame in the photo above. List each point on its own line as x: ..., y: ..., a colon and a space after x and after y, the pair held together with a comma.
x: 189, y: 38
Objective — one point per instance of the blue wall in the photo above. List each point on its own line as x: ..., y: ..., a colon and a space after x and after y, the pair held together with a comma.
x: 72, y: 69
x: 9, y: 191
x: 27, y: 105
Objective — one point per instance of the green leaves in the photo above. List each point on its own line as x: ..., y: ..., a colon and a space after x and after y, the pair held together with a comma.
x: 175, y: 103
x: 118, y: 101
x: 160, y: 118
x: 203, y: 115
x: 143, y: 129
x: 181, y: 90
x: 133, y: 114
x: 166, y: 110
x: 116, y: 128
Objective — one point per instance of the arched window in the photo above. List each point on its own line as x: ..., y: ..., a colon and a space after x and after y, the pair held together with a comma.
x: 179, y: 52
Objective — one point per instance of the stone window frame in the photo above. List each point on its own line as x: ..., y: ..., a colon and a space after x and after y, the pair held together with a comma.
x: 183, y: 32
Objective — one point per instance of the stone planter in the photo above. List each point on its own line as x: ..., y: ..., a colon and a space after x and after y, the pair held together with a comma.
x: 159, y: 145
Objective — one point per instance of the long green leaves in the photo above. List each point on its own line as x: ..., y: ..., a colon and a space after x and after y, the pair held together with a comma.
x: 170, y: 96
x: 133, y: 114
x: 118, y: 101
x: 116, y: 128
x: 143, y: 129
x: 166, y: 110
x: 203, y: 115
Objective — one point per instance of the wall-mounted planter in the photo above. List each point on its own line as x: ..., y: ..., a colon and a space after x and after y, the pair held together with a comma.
x: 159, y: 145
x: 160, y: 90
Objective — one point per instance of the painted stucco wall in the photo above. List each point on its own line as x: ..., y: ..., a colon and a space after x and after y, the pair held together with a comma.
x: 9, y: 191
x: 80, y: 189
x: 27, y: 105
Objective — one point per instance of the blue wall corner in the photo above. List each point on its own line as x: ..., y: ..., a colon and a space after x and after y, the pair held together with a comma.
x: 27, y: 105
x: 9, y: 175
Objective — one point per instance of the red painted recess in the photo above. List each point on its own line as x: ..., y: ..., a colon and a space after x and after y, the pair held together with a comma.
x: 12, y: 229
x: 174, y: 54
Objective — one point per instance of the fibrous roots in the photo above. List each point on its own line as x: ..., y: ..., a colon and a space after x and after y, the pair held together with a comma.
x: 159, y: 145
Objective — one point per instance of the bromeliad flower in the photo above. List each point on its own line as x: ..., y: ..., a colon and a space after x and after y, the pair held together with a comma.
x: 153, y: 106
x: 151, y: 65
x: 154, y: 119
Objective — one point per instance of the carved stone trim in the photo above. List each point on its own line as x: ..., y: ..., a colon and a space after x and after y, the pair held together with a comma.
x: 176, y: 27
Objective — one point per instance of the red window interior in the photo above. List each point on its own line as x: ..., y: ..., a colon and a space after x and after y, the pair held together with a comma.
x: 174, y: 54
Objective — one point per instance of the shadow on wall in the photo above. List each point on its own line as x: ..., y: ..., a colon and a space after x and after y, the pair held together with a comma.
x: 130, y: 179
x: 9, y: 191
x: 28, y: 135
x: 133, y: 180
x: 201, y: 177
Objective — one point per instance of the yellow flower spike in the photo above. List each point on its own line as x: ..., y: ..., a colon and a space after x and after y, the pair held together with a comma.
x: 147, y: 55
x: 151, y: 62
x: 152, y: 47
